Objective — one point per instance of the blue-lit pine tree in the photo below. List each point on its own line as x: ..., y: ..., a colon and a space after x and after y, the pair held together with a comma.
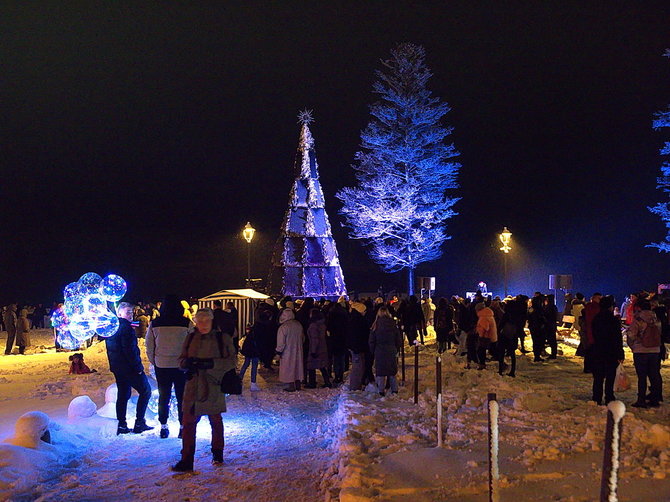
x: 404, y: 171
x: 662, y: 209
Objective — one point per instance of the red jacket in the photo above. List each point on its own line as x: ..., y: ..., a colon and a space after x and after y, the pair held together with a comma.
x: 591, y: 309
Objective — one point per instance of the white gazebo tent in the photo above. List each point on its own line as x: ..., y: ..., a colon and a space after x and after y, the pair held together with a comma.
x: 245, y: 301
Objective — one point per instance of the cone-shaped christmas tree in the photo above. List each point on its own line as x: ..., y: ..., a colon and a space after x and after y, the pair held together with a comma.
x: 305, y: 262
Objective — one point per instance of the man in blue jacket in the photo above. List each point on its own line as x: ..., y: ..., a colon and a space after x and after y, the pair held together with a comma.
x: 126, y: 364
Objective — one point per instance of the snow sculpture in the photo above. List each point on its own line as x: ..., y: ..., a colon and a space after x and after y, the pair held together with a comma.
x: 81, y: 407
x: 30, y: 429
x: 109, y: 408
x: 305, y: 261
x: 85, y: 312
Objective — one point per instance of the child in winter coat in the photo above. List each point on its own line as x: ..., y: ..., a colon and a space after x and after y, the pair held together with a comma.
x: 77, y: 366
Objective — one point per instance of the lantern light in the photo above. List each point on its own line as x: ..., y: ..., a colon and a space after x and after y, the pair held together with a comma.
x: 248, y: 232
x: 505, y: 239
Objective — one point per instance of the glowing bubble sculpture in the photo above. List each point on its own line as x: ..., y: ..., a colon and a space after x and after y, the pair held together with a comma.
x: 113, y: 287
x: 86, y: 311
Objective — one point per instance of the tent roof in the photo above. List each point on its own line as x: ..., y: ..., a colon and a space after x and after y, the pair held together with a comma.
x: 232, y: 294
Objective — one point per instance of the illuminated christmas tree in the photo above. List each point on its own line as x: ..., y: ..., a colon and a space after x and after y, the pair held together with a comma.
x: 305, y: 261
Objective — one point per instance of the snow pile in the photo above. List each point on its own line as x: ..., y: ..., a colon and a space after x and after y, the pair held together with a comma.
x: 39, y: 450
x: 81, y: 407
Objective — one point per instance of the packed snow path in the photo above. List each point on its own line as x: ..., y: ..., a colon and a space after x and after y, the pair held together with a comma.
x: 279, y: 445
x: 276, y: 442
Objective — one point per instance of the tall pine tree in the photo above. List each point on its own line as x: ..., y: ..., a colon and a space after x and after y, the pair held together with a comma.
x: 662, y: 209
x: 404, y: 171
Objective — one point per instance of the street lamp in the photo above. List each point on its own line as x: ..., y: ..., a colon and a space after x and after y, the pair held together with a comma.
x: 505, y: 239
x: 248, y: 234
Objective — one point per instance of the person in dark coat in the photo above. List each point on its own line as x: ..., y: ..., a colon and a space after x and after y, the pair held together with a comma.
x: 317, y: 356
x: 357, y: 342
x: 550, y: 327
x: 11, y: 324
x: 252, y: 353
x: 507, y: 342
x: 225, y: 321
x: 265, y: 333
x: 338, y: 323
x: 519, y: 312
x: 607, y: 350
x: 536, y: 325
x: 126, y: 364
x: 385, y: 342
x: 444, y: 324
x: 413, y: 320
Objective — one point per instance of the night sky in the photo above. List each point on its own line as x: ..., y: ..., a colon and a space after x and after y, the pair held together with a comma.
x: 140, y: 140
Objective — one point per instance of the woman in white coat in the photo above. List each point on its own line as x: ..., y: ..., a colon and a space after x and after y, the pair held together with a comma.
x: 290, y: 338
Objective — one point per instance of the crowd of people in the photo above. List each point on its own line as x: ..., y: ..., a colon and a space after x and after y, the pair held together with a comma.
x: 191, y: 349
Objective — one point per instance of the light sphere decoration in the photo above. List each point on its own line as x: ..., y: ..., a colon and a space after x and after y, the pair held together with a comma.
x: 113, y: 287
x: 89, y: 283
x: 85, y: 312
x: 66, y: 340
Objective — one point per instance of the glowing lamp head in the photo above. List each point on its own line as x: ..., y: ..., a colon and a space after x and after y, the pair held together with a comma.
x: 505, y: 239
x: 248, y: 232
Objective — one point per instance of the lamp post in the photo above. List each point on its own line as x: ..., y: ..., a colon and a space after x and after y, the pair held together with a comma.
x: 248, y: 234
x: 505, y: 239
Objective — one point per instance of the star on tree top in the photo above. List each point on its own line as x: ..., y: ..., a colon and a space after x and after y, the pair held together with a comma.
x: 305, y: 117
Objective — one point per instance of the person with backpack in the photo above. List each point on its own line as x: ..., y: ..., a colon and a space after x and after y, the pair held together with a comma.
x: 644, y: 339
x: 206, y: 356
x: 164, y: 341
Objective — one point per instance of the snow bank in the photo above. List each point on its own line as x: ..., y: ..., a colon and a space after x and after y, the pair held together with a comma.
x: 39, y: 450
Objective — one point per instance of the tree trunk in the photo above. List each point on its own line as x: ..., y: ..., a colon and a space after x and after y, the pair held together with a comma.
x: 410, y: 279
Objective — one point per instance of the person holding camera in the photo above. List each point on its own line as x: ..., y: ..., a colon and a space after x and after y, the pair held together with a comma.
x: 206, y: 356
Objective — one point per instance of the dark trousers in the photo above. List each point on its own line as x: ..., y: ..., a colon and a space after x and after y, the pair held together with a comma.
x: 606, y: 375
x: 505, y: 348
x: 188, y: 434
x: 481, y: 355
x: 538, y: 342
x: 166, y: 379
x: 254, y: 368
x: 339, y: 359
x: 521, y: 335
x: 412, y: 332
x: 311, y: 377
x: 125, y: 384
x: 552, y: 342
x: 11, y: 336
x: 648, y: 366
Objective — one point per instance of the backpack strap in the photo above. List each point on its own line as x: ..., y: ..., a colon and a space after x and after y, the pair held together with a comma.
x: 219, y: 341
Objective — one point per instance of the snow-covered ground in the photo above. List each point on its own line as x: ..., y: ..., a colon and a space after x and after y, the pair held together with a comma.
x: 327, y: 444
x: 279, y: 446
x: 551, y: 437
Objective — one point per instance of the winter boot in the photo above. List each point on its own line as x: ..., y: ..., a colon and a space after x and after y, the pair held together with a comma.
x: 165, y: 432
x: 123, y: 429
x: 254, y: 387
x: 217, y: 457
x: 297, y: 385
x: 184, y: 465
x: 639, y: 404
x: 290, y: 388
x: 141, y: 426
